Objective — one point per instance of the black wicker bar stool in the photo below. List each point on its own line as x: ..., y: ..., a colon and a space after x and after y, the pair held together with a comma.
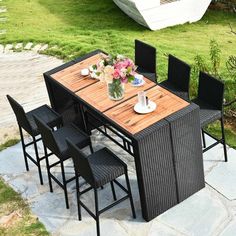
x: 26, y: 122
x: 178, y: 77
x: 145, y: 59
x: 55, y: 141
x: 210, y: 100
x: 98, y: 169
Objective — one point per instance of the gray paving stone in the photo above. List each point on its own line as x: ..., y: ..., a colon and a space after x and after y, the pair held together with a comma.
x: 12, y: 161
x: 28, y: 46
x: 19, y: 46
x: 108, y: 227
x: 230, y: 230
x: 198, y: 215
x: 201, y: 214
x: 158, y: 228
x: 44, y: 47
x: 51, y: 211
x: 212, y: 157
x: 37, y: 47
x: 223, y: 176
x: 8, y: 48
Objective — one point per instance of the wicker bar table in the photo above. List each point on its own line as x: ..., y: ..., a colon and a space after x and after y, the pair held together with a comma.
x: 166, y: 144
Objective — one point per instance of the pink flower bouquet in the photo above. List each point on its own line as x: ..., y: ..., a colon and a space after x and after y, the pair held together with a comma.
x: 116, y: 71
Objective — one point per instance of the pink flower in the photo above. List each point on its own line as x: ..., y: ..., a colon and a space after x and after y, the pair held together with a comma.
x: 119, y: 65
x: 116, y: 74
x: 124, y: 80
x: 126, y: 63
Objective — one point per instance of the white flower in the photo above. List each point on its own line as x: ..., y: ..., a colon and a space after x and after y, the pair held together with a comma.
x: 108, y: 73
x: 120, y: 57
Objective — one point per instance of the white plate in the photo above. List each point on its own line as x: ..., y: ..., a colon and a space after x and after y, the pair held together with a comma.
x: 84, y: 72
x: 138, y: 85
x: 144, y: 110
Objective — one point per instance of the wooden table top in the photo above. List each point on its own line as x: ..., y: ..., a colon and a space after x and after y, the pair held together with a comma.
x: 121, y: 112
x: 97, y: 95
x: 125, y: 116
x: 71, y: 77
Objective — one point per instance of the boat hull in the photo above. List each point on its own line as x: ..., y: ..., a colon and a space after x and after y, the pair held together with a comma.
x: 155, y: 15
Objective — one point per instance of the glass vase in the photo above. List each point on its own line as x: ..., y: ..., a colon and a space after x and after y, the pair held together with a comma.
x: 115, y: 89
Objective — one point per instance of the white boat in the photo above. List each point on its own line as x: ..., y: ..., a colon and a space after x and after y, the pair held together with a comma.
x: 159, y: 14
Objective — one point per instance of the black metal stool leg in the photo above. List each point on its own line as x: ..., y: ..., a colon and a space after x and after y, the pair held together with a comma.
x: 48, y: 168
x: 97, y: 212
x: 203, y: 139
x: 64, y: 184
x: 38, y: 161
x: 130, y: 195
x: 78, y: 196
x: 113, y: 191
x: 23, y: 147
x: 223, y: 138
x: 91, y: 148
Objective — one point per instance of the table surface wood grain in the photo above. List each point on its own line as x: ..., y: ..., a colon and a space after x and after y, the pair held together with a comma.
x: 121, y: 112
x: 125, y: 116
x: 71, y: 77
x: 97, y: 94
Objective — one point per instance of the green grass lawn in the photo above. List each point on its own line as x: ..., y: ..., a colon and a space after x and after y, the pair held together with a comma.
x: 78, y: 27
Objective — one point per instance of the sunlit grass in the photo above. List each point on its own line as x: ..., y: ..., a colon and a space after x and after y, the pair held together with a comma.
x: 8, y: 143
x: 77, y: 27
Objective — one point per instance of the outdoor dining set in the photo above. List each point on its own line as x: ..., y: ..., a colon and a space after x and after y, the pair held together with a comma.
x: 167, y: 142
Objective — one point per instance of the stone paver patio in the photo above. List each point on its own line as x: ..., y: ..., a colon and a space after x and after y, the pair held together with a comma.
x: 210, y: 212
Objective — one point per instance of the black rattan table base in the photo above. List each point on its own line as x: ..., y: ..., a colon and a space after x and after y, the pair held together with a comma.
x: 168, y: 154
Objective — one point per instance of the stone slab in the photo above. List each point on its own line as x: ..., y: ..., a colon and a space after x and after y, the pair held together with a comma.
x: 200, y: 214
x: 37, y: 47
x: 223, y: 176
x: 204, y: 213
x: 8, y: 48
x: 28, y: 46
x: 19, y: 46
x: 230, y: 230
x: 44, y: 47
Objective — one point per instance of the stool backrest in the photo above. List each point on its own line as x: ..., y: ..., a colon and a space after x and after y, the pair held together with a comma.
x: 211, y: 90
x: 47, y: 136
x: 81, y: 162
x: 145, y: 56
x: 178, y: 73
x: 20, y: 114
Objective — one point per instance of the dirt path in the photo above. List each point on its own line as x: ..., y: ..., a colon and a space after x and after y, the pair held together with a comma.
x: 21, y: 77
